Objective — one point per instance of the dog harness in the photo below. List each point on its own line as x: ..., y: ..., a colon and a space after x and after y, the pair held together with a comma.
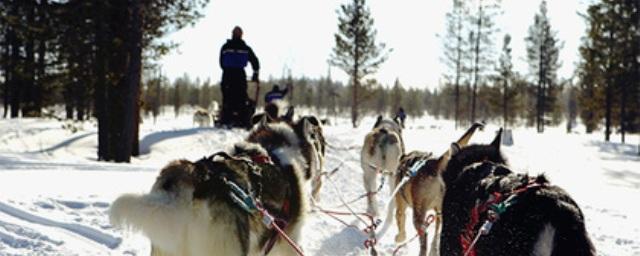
x: 497, y: 204
x: 250, y: 203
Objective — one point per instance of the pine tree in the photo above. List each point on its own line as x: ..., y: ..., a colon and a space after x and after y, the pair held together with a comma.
x: 505, y: 70
x: 608, y: 69
x: 356, y: 51
x: 482, y: 42
x: 543, y: 48
x: 454, y: 50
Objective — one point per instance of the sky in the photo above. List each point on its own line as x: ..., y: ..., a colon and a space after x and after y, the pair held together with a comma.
x: 299, y: 35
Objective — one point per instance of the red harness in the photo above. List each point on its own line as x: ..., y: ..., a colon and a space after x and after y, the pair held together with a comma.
x: 261, y: 159
x: 467, y: 237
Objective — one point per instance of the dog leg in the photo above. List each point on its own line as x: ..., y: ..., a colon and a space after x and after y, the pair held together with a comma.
x: 370, y: 185
x: 418, y: 221
x: 401, y: 207
x: 435, y: 243
x: 316, y: 185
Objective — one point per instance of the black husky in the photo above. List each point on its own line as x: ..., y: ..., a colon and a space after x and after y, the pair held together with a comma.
x: 517, y: 214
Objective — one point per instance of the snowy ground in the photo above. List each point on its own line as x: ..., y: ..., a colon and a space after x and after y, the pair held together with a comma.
x: 54, y: 196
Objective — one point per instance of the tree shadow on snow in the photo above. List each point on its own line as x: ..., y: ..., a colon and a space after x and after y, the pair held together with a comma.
x: 343, y: 242
x: 625, y: 178
x: 64, y: 143
x: 616, y: 151
x: 150, y: 139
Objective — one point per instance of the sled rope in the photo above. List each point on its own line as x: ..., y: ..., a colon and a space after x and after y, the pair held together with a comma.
x: 272, y: 222
x: 349, y: 148
x: 369, y: 243
x: 423, y: 230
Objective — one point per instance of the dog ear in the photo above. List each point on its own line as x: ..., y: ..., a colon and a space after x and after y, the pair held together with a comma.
x: 444, y: 159
x: 313, y: 120
x: 265, y: 120
x: 464, y: 140
x: 307, y: 129
x: 256, y: 118
x: 377, y: 121
x: 288, y: 117
x: 455, y: 148
x: 497, y: 140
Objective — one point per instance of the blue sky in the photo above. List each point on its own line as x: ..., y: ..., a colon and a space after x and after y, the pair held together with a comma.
x: 298, y: 34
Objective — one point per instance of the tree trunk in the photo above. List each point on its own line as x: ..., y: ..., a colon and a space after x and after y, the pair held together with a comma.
x: 28, y: 108
x: 475, y: 66
x: 608, y: 92
x: 623, y: 110
x: 504, y: 103
x: 100, y: 92
x: 540, y: 93
x: 7, y: 73
x: 15, y: 90
x: 356, y: 72
x: 607, y: 115
x: 132, y: 82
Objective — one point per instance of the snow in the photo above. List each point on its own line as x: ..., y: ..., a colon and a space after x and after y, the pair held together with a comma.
x: 55, y: 196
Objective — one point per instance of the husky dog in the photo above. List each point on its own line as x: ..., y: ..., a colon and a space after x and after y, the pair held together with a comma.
x: 381, y: 153
x: 305, y: 135
x: 275, y: 111
x: 190, y: 210
x: 515, y: 213
x: 423, y: 191
x: 202, y: 118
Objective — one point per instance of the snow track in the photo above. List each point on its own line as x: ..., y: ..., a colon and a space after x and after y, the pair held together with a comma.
x: 87, y: 232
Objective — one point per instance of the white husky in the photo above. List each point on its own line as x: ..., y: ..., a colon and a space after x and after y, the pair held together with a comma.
x: 202, y: 118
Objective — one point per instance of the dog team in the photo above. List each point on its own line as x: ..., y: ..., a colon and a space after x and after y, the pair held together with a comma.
x: 254, y: 197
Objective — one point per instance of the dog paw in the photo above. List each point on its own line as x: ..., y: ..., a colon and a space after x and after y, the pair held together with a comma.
x: 400, y: 238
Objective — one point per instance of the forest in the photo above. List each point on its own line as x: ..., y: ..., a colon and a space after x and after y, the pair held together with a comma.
x: 99, y: 60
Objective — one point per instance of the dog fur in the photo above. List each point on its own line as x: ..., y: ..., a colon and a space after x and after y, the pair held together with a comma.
x: 307, y: 134
x: 202, y: 118
x: 381, y: 153
x: 188, y: 212
x: 423, y: 192
x: 543, y: 221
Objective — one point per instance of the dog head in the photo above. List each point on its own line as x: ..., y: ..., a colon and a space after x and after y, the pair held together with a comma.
x: 392, y: 125
x: 463, y: 156
x: 275, y: 111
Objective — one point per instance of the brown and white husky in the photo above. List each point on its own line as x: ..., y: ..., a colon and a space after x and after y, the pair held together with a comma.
x: 380, y: 154
x: 424, y: 190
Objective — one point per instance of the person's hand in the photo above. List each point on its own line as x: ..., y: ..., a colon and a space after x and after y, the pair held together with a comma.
x: 254, y: 78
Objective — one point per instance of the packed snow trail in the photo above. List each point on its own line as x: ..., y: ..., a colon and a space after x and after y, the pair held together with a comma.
x: 89, y: 233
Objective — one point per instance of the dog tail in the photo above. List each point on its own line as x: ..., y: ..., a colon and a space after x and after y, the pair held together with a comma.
x: 571, y: 236
x: 156, y: 215
x: 391, y: 206
x: 385, y: 138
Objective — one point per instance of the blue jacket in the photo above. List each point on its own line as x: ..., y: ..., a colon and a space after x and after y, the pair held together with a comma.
x: 275, y: 94
x: 235, y: 54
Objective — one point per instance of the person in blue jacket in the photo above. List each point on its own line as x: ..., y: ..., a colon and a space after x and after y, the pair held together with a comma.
x: 237, y: 108
x: 275, y: 94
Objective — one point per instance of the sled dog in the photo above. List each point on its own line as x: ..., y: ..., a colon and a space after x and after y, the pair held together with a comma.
x: 215, y: 206
x: 515, y: 213
x: 305, y: 136
x: 423, y: 191
x: 380, y: 154
x: 202, y: 118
